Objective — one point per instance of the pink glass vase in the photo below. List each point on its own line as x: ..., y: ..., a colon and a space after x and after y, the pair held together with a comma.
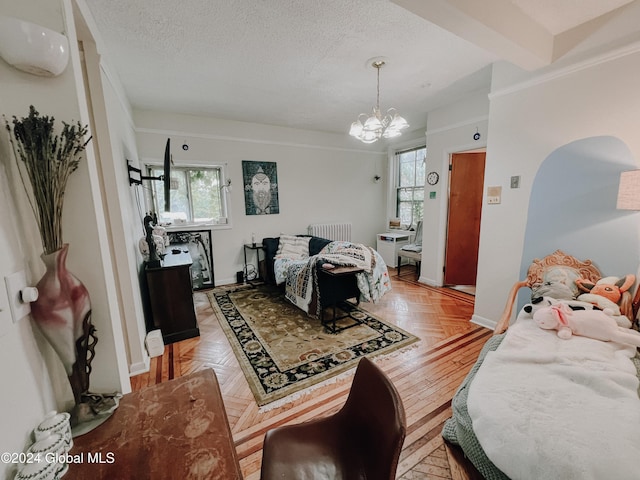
x: 63, y: 314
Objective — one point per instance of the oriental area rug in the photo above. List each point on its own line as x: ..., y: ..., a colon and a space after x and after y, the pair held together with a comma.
x: 283, y: 352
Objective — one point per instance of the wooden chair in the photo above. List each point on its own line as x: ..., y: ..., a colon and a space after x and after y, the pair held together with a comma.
x: 362, y: 440
x: 559, y: 262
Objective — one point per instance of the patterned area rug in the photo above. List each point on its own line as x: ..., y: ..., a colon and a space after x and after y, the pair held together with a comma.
x: 282, y: 351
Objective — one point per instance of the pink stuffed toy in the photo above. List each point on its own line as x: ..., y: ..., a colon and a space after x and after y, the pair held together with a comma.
x: 596, y: 324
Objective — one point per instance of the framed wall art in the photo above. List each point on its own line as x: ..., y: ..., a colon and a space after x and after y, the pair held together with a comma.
x: 260, y: 181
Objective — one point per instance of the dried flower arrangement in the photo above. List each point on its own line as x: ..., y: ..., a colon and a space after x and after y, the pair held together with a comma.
x: 48, y: 159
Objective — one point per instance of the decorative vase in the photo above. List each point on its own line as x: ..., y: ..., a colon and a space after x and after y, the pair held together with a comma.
x: 63, y: 314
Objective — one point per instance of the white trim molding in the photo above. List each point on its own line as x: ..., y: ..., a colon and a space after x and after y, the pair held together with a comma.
x: 560, y: 72
x: 465, y: 123
x: 209, y: 136
x: 483, y: 322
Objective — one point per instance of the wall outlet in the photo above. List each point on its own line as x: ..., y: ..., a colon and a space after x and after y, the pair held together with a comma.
x: 515, y: 181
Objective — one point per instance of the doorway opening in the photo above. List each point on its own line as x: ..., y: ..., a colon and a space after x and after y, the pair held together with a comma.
x: 466, y: 184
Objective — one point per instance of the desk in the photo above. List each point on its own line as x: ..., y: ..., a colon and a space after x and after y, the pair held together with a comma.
x: 173, y: 430
x: 389, y: 243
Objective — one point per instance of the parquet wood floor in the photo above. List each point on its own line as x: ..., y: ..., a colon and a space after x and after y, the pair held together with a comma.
x: 426, y: 377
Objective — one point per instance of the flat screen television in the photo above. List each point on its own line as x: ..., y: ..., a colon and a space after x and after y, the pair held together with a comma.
x: 136, y: 177
x: 166, y: 178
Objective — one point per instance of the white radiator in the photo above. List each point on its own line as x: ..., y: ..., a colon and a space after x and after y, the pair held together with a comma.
x: 331, y: 231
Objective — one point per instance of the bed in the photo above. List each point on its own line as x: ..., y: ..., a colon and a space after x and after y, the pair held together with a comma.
x: 535, y: 406
x: 300, y: 264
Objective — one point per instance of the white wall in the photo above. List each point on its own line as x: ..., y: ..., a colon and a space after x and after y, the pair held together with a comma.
x: 33, y: 379
x: 528, y: 121
x: 27, y: 390
x: 321, y: 177
x: 114, y: 141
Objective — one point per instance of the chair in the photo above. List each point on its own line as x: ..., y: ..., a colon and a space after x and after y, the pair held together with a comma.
x: 362, y: 440
x: 412, y: 251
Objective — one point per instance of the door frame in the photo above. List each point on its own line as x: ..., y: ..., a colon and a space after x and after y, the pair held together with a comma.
x: 444, y: 204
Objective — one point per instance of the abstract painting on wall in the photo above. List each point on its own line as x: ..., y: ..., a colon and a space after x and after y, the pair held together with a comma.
x: 260, y: 181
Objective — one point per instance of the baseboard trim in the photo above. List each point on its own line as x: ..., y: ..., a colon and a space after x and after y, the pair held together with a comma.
x: 483, y: 322
x: 429, y: 281
x: 139, y: 367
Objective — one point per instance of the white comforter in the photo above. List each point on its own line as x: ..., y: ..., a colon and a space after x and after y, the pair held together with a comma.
x: 547, y: 408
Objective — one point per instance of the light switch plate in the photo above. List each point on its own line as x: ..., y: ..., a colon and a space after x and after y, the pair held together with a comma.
x: 15, y: 283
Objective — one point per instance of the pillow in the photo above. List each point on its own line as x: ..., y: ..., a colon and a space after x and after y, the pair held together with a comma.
x: 293, y: 247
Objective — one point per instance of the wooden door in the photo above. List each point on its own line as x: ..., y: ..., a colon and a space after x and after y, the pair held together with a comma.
x: 463, y: 224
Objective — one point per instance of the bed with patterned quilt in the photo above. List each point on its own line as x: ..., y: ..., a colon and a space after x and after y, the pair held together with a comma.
x: 299, y: 262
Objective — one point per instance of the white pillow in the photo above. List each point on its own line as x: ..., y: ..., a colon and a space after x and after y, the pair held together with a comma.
x: 293, y: 247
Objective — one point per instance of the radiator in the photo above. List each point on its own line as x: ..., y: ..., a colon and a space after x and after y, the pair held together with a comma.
x: 331, y: 231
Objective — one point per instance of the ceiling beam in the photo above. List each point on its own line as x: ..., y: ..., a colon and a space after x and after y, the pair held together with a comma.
x: 497, y: 26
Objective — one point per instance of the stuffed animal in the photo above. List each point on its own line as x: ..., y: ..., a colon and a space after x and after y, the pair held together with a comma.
x: 548, y: 293
x: 539, y: 302
x: 596, y: 324
x: 606, y: 292
x: 557, y: 290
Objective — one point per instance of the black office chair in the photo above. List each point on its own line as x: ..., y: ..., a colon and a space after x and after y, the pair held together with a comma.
x: 361, y: 441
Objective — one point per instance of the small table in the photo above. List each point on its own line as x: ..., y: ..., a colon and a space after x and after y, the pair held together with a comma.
x: 175, y: 429
x: 330, y: 324
x: 257, y: 247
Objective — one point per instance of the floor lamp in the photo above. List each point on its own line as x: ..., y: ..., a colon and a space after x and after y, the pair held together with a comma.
x: 629, y: 199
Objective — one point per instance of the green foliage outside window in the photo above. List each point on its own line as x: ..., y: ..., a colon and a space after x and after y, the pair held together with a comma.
x: 194, y: 192
x: 410, y: 188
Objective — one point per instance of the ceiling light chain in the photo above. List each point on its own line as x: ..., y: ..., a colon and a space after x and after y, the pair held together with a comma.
x: 375, y: 125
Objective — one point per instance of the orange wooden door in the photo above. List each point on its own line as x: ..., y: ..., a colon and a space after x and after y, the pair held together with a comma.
x: 463, y: 225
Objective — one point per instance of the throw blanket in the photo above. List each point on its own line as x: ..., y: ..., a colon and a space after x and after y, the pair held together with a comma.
x: 302, y: 278
x: 543, y: 407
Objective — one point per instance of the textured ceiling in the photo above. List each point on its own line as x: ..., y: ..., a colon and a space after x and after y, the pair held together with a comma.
x: 299, y: 63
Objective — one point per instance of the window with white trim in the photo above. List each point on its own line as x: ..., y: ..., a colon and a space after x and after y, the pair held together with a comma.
x: 410, y: 166
x: 197, y: 194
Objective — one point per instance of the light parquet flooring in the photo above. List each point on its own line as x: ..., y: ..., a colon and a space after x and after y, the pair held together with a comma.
x: 426, y: 377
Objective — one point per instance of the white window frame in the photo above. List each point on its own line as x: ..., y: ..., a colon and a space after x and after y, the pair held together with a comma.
x: 395, y: 175
x: 225, y: 190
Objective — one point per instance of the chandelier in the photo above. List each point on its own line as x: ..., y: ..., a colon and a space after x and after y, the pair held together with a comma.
x: 369, y: 128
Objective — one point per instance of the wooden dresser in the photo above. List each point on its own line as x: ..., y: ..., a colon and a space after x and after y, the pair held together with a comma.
x: 171, y: 296
x: 172, y: 430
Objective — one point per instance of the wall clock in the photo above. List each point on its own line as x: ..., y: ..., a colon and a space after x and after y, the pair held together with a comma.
x: 432, y: 178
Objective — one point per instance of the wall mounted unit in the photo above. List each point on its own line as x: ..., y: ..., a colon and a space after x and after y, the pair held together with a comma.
x: 32, y: 48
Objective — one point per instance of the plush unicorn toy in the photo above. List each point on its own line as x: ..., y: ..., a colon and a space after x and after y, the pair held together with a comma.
x: 596, y: 324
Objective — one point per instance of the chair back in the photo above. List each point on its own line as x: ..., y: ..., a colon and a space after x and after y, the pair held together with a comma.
x: 376, y: 419
x: 418, y: 238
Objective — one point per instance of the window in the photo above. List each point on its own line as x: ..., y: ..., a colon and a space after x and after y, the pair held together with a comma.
x: 410, y: 186
x: 196, y: 194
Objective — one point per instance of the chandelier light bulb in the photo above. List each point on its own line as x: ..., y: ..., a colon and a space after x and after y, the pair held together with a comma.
x: 375, y: 125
